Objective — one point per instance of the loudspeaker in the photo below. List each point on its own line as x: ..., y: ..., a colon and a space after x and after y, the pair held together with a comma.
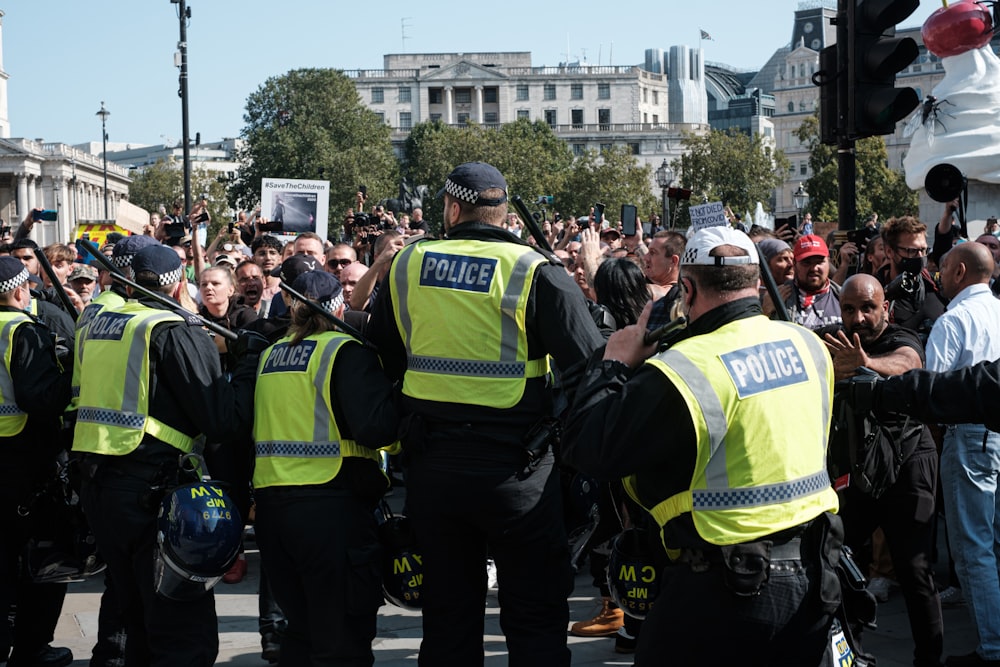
x: 944, y: 182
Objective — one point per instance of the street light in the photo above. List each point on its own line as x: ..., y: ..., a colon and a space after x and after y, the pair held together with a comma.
x: 104, y: 113
x: 801, y: 199
x: 664, y: 177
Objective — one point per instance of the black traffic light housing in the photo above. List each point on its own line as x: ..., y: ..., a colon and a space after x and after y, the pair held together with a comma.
x: 875, y: 104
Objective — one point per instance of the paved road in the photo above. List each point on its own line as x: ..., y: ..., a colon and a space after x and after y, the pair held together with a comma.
x: 399, y: 630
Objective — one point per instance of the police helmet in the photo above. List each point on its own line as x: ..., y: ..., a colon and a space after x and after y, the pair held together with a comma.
x: 62, y: 548
x: 198, y: 539
x: 633, y: 576
x: 402, y: 563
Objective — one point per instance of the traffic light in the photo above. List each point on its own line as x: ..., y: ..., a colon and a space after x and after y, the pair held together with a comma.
x: 828, y: 81
x: 875, y: 105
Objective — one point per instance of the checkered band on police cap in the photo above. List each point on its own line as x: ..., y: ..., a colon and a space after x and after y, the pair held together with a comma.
x: 322, y: 287
x: 160, y: 260
x: 469, y: 180
x: 700, y: 246
x: 125, y: 249
x: 13, y: 273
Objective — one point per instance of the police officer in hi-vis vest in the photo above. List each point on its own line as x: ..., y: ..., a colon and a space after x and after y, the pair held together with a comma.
x: 322, y: 408
x: 150, y: 385
x: 34, y: 390
x: 469, y: 324
x: 722, y: 438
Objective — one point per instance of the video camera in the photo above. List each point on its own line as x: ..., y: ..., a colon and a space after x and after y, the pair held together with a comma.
x: 861, y: 237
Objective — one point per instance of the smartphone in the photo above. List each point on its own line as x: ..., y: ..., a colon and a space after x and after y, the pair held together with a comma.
x: 629, y: 220
x: 363, y: 189
x: 47, y: 215
x: 598, y: 212
x: 230, y: 228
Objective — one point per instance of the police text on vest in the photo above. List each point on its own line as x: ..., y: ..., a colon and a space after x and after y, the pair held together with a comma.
x: 764, y: 367
x: 472, y: 274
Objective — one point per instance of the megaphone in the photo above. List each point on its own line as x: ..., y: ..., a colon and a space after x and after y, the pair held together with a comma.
x: 944, y: 182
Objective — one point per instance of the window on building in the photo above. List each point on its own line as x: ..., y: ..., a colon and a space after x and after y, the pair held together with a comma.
x: 491, y: 117
x: 605, y: 147
x: 434, y: 96
x: 378, y: 95
x: 576, y: 91
x: 645, y: 95
x: 656, y: 97
x: 791, y: 107
x: 404, y: 94
x: 604, y: 91
x: 405, y: 120
x: 635, y: 148
x: 656, y: 119
x: 576, y: 117
x: 803, y: 168
x: 463, y: 96
x: 463, y: 118
x: 521, y: 92
x: 550, y: 117
x: 435, y: 117
x: 645, y: 118
x: 549, y: 91
x: 579, y: 149
x: 491, y: 95
x: 524, y: 113
x: 604, y: 118
x: 381, y: 116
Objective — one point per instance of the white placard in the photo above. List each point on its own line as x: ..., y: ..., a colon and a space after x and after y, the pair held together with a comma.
x: 707, y: 215
x: 294, y: 206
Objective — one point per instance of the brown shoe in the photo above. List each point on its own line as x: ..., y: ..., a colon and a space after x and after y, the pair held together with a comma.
x: 605, y: 624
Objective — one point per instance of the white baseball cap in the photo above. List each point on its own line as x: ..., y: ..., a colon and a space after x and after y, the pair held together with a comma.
x: 700, y: 246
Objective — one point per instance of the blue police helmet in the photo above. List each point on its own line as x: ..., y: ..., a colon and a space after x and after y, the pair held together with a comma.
x: 402, y: 563
x: 198, y: 539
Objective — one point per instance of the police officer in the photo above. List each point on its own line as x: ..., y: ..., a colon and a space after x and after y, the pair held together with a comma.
x: 317, y: 480
x: 723, y: 439
x: 150, y: 384
x: 34, y: 390
x: 467, y: 323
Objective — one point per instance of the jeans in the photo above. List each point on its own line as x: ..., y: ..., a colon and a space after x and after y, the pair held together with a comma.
x: 970, y: 463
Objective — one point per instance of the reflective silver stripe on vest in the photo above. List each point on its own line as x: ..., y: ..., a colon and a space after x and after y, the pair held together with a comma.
x: 507, y: 366
x: 298, y: 450
x: 769, y: 494
x: 491, y: 369
x: 111, y: 418
x: 321, y: 415
x: 9, y: 407
x: 716, y: 473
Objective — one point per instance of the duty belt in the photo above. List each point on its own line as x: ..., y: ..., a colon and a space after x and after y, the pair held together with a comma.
x: 702, y: 559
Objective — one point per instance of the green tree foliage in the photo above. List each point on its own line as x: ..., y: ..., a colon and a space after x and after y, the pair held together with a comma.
x: 732, y: 167
x: 614, y: 177
x: 311, y: 124
x: 879, y: 189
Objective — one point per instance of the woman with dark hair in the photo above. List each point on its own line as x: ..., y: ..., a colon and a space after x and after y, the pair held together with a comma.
x: 620, y: 286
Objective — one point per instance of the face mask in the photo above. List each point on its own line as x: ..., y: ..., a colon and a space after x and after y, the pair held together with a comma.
x: 912, y: 265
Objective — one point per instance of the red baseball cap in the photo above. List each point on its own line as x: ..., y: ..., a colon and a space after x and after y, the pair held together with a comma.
x: 810, y: 245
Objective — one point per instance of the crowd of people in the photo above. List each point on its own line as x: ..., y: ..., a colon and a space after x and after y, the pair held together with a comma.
x: 499, y: 370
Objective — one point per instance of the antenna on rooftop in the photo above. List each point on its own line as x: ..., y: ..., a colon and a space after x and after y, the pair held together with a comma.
x: 403, y: 25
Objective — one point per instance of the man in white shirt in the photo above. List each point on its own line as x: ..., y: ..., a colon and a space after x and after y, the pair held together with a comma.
x: 967, y: 333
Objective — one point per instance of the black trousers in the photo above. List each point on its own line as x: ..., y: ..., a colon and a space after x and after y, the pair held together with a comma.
x: 697, y: 620
x: 463, y: 509
x: 38, y: 605
x: 160, y: 632
x: 321, y: 554
x: 906, y: 514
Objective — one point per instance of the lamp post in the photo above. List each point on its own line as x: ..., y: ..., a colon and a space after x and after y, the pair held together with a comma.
x: 104, y: 113
x: 801, y: 199
x: 664, y: 177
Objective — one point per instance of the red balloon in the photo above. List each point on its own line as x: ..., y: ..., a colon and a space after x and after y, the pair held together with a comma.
x: 962, y: 26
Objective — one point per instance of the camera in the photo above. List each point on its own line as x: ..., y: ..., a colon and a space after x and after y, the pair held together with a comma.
x: 861, y: 237
x: 902, y: 286
x: 175, y: 230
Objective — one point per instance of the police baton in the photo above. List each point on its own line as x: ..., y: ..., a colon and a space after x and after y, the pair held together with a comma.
x: 772, y: 287
x: 318, y: 309
x: 56, y: 284
x: 531, y: 223
x: 116, y: 274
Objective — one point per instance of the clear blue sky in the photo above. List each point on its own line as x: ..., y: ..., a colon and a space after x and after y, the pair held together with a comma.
x: 65, y: 56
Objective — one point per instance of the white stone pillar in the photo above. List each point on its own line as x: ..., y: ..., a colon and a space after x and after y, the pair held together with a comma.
x: 479, y: 105
x: 22, y: 196
x: 449, y: 117
x: 32, y: 193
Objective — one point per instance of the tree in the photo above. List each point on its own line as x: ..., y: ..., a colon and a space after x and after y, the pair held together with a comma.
x: 732, y: 167
x: 311, y: 124
x: 879, y: 189
x: 163, y: 183
x: 613, y: 177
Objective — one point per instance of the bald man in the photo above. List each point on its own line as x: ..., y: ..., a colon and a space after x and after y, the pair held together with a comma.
x: 905, y: 508
x: 968, y: 333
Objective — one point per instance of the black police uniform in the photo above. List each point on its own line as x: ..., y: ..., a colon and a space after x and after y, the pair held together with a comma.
x: 964, y: 396
x: 626, y: 421
x: 42, y: 390
x: 189, y: 393
x: 905, y: 512
x: 466, y: 495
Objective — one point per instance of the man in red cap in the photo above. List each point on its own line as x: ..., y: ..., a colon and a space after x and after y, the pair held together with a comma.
x: 811, y: 298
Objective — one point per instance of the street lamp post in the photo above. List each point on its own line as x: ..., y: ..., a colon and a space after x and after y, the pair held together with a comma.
x: 104, y: 113
x: 801, y: 199
x: 664, y: 177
